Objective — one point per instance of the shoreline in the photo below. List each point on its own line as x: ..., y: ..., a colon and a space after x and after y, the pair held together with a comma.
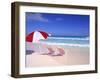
x: 65, y: 44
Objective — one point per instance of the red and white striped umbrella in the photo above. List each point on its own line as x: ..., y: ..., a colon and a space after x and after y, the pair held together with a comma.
x: 36, y: 36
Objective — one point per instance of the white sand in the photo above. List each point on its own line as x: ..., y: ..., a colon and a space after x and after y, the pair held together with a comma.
x: 72, y: 56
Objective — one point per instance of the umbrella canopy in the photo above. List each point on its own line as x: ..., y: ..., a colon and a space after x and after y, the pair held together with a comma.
x: 36, y: 36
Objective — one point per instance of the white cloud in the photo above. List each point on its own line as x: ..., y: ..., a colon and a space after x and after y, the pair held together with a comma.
x: 37, y: 17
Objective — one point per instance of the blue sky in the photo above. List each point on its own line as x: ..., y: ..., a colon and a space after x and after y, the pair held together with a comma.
x: 58, y: 24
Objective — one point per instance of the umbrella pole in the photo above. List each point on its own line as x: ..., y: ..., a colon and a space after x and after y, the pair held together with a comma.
x: 39, y: 47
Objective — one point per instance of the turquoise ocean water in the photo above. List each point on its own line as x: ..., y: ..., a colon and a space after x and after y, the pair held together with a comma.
x: 67, y: 40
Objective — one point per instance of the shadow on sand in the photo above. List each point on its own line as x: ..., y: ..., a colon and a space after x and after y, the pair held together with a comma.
x: 28, y: 52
